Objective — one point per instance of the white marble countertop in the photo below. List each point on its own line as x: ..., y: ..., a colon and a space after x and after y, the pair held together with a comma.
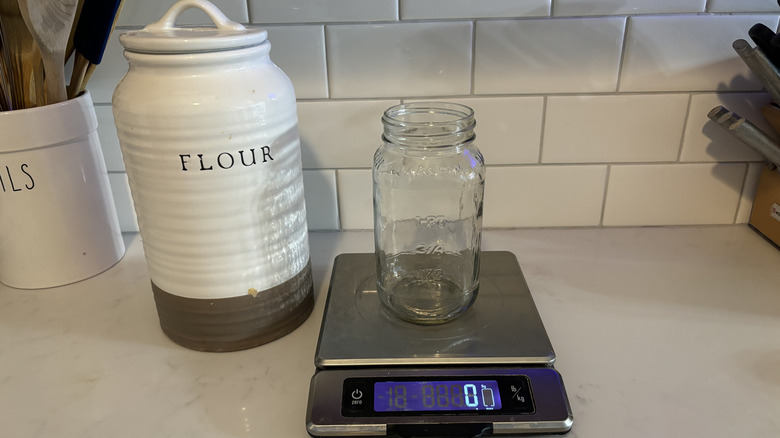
x: 671, y: 332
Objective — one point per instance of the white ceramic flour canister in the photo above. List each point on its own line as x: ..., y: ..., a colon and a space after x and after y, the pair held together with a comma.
x: 208, y: 129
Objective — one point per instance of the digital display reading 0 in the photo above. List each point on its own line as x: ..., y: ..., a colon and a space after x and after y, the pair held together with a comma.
x: 437, y: 395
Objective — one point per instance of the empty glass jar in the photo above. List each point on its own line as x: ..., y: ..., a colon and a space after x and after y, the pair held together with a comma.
x: 429, y: 182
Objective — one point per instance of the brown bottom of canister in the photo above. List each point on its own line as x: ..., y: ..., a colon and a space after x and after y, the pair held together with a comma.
x: 236, y: 323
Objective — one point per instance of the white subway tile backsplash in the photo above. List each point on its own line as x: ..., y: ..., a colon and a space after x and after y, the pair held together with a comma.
x: 300, y: 52
x: 543, y: 196
x: 742, y: 6
x: 139, y: 13
x: 123, y: 201
x: 508, y: 129
x: 109, y: 142
x: 629, y: 128
x: 674, y: 194
x: 109, y: 72
x: 706, y: 141
x: 616, y: 90
x: 625, y: 7
x: 547, y: 55
x: 320, y: 11
x: 688, y: 53
x: 321, y: 199
x: 399, y: 59
x: 356, y: 199
x: 441, y: 9
x: 340, y: 134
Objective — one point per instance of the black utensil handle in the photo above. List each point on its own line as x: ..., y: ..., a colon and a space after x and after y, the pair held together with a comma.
x: 762, y: 36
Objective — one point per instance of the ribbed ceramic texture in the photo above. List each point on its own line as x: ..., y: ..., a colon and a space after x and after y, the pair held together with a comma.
x: 236, y: 323
x: 211, y: 147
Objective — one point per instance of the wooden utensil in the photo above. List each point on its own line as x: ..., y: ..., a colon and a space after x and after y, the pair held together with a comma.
x: 5, y: 100
x: 71, y: 48
x: 22, y: 59
x: 49, y: 23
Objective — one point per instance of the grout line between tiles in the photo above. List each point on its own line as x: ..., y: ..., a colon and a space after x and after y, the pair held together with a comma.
x: 507, y: 18
x: 473, y: 56
x: 338, y: 202
x: 519, y: 95
x: 571, y: 164
x: 511, y: 95
x: 604, y: 195
x: 326, y: 47
x: 684, y: 125
x: 741, y: 197
x: 248, y: 11
x: 327, y: 63
x: 623, y: 49
x: 542, y: 130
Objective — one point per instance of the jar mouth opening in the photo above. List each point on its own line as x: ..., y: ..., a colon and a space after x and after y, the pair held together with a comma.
x: 428, y: 123
x: 435, y: 114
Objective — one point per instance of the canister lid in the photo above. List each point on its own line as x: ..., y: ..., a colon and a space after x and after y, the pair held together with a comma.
x: 164, y: 37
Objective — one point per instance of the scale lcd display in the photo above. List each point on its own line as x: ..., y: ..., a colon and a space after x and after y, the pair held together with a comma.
x: 437, y: 395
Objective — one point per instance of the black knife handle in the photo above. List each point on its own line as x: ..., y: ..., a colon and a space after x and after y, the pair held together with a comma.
x: 763, y: 36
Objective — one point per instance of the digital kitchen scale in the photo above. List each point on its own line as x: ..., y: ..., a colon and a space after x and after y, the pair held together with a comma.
x: 488, y: 372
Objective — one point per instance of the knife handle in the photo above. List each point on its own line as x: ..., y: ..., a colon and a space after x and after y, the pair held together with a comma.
x: 763, y: 36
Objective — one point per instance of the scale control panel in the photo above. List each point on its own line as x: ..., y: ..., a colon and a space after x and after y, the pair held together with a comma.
x: 477, y: 395
x: 437, y: 401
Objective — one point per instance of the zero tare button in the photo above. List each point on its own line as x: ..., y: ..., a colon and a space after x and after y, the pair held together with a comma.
x: 356, y: 397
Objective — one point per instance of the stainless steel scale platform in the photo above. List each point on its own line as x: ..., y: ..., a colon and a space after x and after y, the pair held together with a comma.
x: 488, y: 372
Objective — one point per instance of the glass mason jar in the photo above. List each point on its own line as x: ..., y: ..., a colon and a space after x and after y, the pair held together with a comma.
x: 429, y: 180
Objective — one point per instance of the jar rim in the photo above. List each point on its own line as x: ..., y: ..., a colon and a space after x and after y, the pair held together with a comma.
x: 429, y: 124
x: 407, y: 115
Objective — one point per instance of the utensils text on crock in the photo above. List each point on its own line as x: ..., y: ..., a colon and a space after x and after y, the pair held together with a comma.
x: 747, y: 133
x: 761, y: 66
x: 21, y: 59
x: 49, y: 23
x: 95, y: 24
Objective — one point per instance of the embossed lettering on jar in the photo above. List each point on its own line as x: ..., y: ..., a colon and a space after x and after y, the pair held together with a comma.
x: 428, y: 189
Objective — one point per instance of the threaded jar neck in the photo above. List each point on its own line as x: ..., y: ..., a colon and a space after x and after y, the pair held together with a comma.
x: 428, y: 124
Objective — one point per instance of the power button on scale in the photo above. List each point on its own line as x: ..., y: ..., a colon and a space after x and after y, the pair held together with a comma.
x: 356, y: 397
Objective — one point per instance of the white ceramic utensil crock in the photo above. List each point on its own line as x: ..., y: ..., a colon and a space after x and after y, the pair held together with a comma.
x: 58, y: 223
x: 208, y: 129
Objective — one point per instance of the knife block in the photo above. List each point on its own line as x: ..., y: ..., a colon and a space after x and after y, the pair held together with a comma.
x: 765, y: 217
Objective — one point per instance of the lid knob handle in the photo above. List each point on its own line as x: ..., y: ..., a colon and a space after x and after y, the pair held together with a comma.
x: 169, y: 19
